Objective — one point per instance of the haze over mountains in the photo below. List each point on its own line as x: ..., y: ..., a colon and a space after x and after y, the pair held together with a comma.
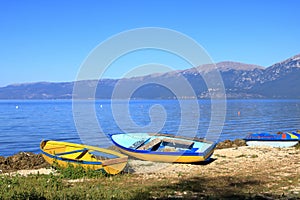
x: 281, y: 80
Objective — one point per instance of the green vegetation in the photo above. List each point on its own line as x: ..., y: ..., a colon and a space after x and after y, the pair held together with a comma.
x: 130, y: 186
x: 72, y: 172
x: 56, y: 187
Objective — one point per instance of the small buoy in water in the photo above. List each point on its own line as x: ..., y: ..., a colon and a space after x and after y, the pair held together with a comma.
x: 239, y: 113
x: 17, y: 107
x: 101, y: 106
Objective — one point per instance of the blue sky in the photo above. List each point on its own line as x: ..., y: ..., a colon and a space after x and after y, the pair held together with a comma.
x: 49, y: 40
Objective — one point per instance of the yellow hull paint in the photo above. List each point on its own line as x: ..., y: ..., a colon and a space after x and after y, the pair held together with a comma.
x: 55, y: 147
x: 167, y: 158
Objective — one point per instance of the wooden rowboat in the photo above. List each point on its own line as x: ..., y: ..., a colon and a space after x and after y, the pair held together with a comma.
x: 88, y: 157
x: 163, y: 147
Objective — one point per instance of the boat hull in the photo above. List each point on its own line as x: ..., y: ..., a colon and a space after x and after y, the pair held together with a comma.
x: 278, y: 144
x: 79, y: 155
x: 168, y: 158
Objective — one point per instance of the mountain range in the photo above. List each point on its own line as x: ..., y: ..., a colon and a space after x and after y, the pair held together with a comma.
x: 281, y: 80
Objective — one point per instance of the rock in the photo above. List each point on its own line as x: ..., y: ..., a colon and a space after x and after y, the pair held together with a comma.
x: 22, y: 160
x: 230, y: 144
x: 239, y: 142
x: 224, y: 144
x: 2, y: 160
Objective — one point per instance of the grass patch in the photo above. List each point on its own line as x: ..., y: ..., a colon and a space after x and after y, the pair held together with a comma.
x: 55, y: 187
x: 71, y: 172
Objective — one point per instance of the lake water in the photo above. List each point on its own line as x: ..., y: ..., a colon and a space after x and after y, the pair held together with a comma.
x: 24, y: 123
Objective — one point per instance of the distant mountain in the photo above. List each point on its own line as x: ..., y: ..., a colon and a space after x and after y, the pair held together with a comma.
x: 280, y: 80
x: 41, y: 90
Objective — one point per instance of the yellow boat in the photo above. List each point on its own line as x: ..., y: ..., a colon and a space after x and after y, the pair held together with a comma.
x: 88, y: 157
x: 163, y: 147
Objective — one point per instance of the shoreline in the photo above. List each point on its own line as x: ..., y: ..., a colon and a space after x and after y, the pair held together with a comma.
x: 263, y: 172
x: 31, y: 161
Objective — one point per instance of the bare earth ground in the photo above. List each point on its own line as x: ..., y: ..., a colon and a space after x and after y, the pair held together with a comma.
x: 274, y: 171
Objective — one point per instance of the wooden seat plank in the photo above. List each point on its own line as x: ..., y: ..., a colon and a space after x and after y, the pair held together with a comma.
x: 174, y: 141
x: 114, y: 161
x: 150, y: 144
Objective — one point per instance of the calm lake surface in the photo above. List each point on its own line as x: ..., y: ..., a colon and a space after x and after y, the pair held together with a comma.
x: 23, y: 124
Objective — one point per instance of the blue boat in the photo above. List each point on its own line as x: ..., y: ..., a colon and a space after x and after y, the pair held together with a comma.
x: 163, y: 147
x: 273, y: 140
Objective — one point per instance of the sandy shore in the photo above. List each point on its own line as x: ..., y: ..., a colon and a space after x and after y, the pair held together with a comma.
x: 275, y: 170
x: 266, y: 165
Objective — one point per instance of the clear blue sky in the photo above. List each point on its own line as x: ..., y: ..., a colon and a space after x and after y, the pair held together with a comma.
x: 48, y: 40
